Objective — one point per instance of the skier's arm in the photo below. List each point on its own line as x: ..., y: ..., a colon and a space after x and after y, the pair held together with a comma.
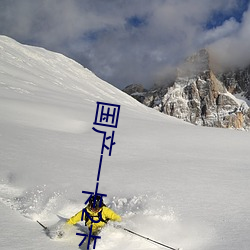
x: 74, y: 219
x: 111, y: 215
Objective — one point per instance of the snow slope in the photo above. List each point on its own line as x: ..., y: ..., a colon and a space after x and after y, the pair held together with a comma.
x: 182, y: 185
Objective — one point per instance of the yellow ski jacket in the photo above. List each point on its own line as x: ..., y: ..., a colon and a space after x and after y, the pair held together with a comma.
x: 96, y: 219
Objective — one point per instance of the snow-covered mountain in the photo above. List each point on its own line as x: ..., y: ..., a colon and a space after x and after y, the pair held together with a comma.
x: 183, y: 185
x: 201, y: 96
x: 237, y: 81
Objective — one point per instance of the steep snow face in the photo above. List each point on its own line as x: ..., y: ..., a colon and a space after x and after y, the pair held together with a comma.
x: 182, y: 185
x: 39, y: 76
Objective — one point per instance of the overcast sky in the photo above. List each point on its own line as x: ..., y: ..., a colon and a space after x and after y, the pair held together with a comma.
x: 131, y: 41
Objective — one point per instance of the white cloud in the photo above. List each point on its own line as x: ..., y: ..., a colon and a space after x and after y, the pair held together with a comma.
x: 228, y: 28
x: 233, y: 50
x: 97, y: 33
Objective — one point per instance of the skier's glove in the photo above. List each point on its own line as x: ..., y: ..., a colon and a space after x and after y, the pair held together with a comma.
x: 117, y: 226
x: 61, y: 231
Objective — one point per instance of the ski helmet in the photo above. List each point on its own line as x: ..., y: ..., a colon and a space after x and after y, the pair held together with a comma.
x: 95, y: 202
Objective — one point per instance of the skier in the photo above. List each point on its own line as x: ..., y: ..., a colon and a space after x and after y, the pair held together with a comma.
x: 95, y: 214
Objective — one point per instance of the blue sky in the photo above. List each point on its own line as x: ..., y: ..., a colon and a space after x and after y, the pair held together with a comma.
x: 218, y: 17
x: 131, y: 41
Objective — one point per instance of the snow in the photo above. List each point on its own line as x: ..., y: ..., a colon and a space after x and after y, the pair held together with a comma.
x: 183, y: 185
x: 242, y: 99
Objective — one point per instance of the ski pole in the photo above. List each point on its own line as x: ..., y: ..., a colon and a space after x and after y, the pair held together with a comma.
x: 149, y: 239
x: 45, y: 228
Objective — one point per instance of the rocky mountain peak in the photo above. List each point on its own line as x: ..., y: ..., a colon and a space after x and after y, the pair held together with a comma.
x: 200, y: 96
x: 196, y: 64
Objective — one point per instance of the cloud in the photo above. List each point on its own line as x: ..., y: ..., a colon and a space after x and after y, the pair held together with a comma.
x: 121, y: 41
x: 232, y: 50
x: 228, y: 28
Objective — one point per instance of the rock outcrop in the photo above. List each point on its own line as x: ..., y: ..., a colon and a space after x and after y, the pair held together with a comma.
x: 199, y: 96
